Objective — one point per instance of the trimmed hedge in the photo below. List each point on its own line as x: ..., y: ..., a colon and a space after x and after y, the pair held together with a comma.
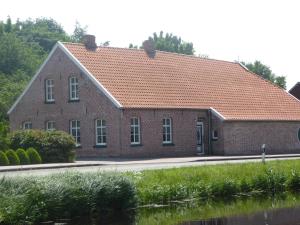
x: 3, y: 159
x: 23, y: 156
x: 54, y: 146
x: 12, y: 157
x: 34, y: 156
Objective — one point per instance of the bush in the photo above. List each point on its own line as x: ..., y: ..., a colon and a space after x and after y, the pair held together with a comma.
x: 34, y: 156
x: 3, y: 159
x: 32, y: 200
x: 54, y: 146
x: 4, y: 141
x: 23, y: 156
x: 12, y: 157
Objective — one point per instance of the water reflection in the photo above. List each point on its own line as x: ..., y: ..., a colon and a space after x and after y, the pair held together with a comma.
x: 288, y: 216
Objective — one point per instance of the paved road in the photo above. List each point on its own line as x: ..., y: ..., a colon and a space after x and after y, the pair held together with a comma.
x: 134, y: 166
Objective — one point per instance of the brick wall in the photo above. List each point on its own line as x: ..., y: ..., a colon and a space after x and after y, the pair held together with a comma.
x: 244, y: 138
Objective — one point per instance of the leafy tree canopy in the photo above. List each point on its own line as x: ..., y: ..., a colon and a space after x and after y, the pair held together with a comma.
x: 170, y: 43
x: 265, y: 72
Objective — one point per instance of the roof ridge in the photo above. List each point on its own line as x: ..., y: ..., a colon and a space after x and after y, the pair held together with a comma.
x: 164, y: 52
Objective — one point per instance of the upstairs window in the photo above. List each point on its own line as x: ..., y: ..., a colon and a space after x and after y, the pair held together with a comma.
x: 50, y: 126
x: 75, y: 131
x: 74, y: 89
x: 49, y: 90
x: 167, y: 130
x: 27, y: 125
x: 101, y: 132
x: 135, y: 130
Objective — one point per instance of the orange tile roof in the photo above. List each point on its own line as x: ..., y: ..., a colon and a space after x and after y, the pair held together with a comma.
x: 172, y: 80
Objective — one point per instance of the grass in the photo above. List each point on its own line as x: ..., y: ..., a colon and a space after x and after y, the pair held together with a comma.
x: 216, y: 181
x: 28, y: 200
x: 64, y: 196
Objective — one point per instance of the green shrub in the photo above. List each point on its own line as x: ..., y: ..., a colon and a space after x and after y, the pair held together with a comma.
x: 12, y: 157
x: 4, y: 141
x: 32, y: 200
x: 3, y: 159
x: 294, y: 182
x: 34, y: 156
x: 23, y: 156
x: 54, y: 146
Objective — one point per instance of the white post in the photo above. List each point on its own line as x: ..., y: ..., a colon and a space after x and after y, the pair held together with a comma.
x: 263, y: 157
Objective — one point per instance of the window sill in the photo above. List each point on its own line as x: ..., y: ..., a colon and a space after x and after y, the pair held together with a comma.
x: 78, y: 146
x: 73, y: 100
x: 135, y: 145
x: 168, y: 144
x: 100, y: 146
x: 49, y: 102
x: 214, y: 139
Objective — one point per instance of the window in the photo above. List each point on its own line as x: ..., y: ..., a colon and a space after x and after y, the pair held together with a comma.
x: 215, y: 135
x: 50, y: 126
x: 101, y: 132
x: 75, y: 131
x: 49, y: 87
x: 167, y: 130
x: 74, y: 88
x: 27, y: 125
x: 135, y: 130
x: 299, y: 134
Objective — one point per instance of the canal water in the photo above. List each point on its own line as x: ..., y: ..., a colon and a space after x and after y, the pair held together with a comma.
x: 284, y: 210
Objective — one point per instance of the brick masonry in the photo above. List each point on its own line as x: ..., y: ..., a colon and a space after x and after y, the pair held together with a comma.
x: 235, y: 138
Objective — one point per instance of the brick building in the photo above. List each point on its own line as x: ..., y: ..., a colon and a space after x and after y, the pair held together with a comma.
x: 295, y: 91
x: 136, y: 103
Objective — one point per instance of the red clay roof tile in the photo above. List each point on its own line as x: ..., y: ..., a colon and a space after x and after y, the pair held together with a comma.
x: 172, y: 80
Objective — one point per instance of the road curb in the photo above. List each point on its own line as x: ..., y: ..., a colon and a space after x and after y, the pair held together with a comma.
x: 74, y: 165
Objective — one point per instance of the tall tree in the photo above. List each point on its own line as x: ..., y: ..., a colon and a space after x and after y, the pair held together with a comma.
x: 170, y: 43
x: 265, y: 72
x: 79, y: 32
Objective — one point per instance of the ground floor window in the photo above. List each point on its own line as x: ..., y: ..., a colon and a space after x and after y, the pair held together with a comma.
x: 100, y: 132
x: 167, y: 130
x: 135, y: 130
x: 75, y: 131
x: 27, y: 125
x: 299, y: 134
x: 50, y: 126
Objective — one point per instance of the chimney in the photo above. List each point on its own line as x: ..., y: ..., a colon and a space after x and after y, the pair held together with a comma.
x: 149, y: 48
x: 89, y: 41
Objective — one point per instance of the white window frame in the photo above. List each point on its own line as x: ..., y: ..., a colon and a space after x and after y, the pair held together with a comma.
x: 49, y: 90
x: 76, y: 129
x: 101, y: 132
x: 27, y: 125
x: 73, y: 88
x: 167, y: 134
x: 50, y: 125
x: 135, y: 123
x: 215, y: 137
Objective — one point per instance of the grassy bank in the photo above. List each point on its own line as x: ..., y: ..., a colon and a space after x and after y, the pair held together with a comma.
x: 30, y: 200
x: 216, y: 181
x: 27, y: 200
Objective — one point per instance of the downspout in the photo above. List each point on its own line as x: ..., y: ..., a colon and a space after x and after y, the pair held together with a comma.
x: 120, y: 132
x: 210, y: 150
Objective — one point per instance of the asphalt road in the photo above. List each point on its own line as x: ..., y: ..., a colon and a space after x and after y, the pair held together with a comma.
x: 133, y: 167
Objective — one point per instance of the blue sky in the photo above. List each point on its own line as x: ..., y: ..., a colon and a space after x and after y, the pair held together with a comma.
x: 229, y: 30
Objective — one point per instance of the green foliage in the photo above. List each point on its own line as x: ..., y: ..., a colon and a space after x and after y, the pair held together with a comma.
x: 34, y: 156
x: 3, y: 159
x: 266, y: 73
x: 23, y: 156
x: 12, y: 157
x: 216, y: 182
x: 4, y: 141
x: 170, y: 43
x: 79, y: 32
x: 54, y: 146
x: 65, y: 195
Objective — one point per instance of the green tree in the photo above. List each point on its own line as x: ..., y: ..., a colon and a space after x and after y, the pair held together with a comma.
x: 265, y: 72
x: 79, y: 32
x: 8, y: 25
x: 172, y: 43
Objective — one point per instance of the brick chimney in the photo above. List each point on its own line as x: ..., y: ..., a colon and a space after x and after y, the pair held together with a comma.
x: 89, y: 41
x: 149, y: 48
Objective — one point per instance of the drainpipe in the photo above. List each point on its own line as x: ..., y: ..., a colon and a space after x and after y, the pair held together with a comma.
x: 210, y: 150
